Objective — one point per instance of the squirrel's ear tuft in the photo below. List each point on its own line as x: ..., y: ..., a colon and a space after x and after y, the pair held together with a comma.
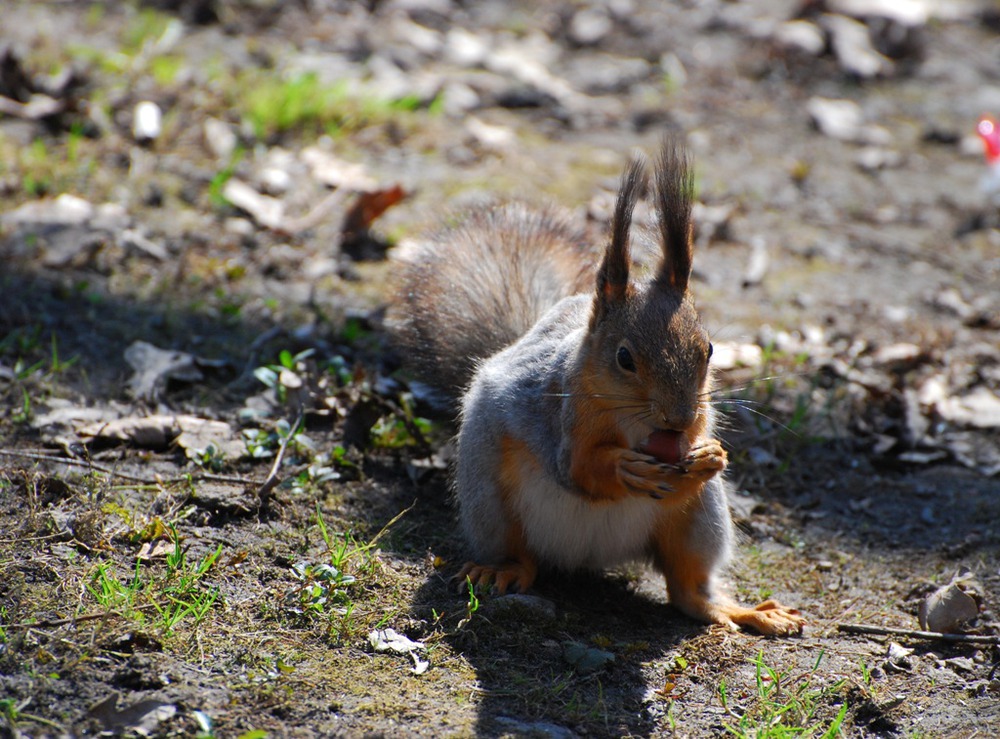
x: 674, y: 196
x: 612, y: 277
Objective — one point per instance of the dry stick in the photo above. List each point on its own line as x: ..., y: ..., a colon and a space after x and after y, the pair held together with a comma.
x: 886, y: 631
x: 271, y: 481
x: 87, y: 464
x: 67, y: 621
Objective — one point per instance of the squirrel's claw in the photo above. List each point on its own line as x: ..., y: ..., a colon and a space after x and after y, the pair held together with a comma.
x: 516, y: 575
x: 705, y: 459
x: 770, y: 618
x: 643, y: 474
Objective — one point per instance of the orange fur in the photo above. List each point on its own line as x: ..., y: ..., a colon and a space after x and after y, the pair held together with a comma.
x: 690, y: 586
x: 519, y: 567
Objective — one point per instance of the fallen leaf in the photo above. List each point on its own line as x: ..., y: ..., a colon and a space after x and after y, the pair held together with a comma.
x: 949, y: 607
x: 151, y: 550
x: 368, y: 207
x: 146, y: 432
x: 198, y: 434
x: 154, y: 367
x: 898, y: 658
x: 143, y: 717
x: 389, y: 640
x: 979, y: 408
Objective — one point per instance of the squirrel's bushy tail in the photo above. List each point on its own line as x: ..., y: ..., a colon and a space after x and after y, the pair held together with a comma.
x: 477, y: 286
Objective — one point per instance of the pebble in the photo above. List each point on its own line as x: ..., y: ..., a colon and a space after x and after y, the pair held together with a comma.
x: 801, y: 36
x: 590, y: 26
x: 220, y: 138
x: 464, y: 48
x: 843, y: 120
x: 147, y: 122
x: 458, y: 98
x: 853, y: 48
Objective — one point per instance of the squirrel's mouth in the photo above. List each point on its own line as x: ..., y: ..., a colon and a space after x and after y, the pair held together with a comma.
x: 666, y: 445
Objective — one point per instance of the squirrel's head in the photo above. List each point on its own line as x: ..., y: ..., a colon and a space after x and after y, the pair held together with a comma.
x: 646, y: 335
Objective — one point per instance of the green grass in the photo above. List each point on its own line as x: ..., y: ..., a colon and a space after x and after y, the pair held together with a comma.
x: 786, y: 705
x: 160, y: 597
x: 274, y: 105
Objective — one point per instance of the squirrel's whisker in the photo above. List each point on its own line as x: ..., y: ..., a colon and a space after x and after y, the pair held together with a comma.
x: 755, y: 381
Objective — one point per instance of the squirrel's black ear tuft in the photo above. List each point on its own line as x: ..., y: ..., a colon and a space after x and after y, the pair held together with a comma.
x: 612, y: 278
x: 674, y: 196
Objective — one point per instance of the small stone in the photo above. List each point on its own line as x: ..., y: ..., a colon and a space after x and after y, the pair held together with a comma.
x: 147, y: 122
x: 843, y: 120
x: 853, y: 47
x: 590, y: 26
x: 220, y: 138
x: 465, y: 48
x: 801, y: 36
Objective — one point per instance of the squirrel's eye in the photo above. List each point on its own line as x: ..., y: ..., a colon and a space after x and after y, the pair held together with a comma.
x: 711, y: 349
x: 624, y: 358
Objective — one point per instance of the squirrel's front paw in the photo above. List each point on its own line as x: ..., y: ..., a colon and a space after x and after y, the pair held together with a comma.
x: 642, y: 474
x: 705, y: 459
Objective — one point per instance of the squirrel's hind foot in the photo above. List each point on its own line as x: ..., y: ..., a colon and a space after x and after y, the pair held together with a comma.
x: 519, y: 575
x: 769, y: 618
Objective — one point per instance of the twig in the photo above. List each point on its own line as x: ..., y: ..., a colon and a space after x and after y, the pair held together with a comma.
x: 934, y: 635
x: 67, y: 621
x: 271, y: 481
x: 87, y: 464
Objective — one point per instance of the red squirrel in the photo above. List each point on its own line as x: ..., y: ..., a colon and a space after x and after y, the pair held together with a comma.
x: 586, y: 431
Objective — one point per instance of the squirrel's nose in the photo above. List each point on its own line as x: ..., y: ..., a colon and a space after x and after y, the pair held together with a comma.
x: 679, y: 418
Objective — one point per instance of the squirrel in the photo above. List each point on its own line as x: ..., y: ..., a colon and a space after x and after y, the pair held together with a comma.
x: 585, y: 425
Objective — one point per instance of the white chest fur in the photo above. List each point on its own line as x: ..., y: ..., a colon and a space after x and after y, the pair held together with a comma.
x: 567, y: 531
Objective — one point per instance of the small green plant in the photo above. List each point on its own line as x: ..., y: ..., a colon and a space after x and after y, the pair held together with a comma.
x: 56, y: 364
x: 143, y: 28
x: 182, y: 593
x: 279, y: 377
x: 785, y: 706
x: 471, y: 605
x: 325, y: 589
x: 323, y: 586
x: 24, y: 414
x: 401, y: 428
x: 277, y: 105
x: 13, y: 714
x: 343, y: 549
x: 262, y: 444
x: 210, y: 458
x: 218, y: 182
x: 313, y: 475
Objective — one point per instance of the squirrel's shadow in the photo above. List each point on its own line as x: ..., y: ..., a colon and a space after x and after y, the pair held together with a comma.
x: 573, y: 656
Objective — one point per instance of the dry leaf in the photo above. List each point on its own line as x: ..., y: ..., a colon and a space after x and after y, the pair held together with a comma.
x: 154, y: 367
x: 369, y: 206
x: 949, y: 607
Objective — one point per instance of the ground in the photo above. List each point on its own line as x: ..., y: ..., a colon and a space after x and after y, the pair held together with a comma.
x: 213, y: 539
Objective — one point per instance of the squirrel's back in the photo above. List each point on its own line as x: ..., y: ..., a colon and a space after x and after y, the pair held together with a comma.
x: 477, y: 286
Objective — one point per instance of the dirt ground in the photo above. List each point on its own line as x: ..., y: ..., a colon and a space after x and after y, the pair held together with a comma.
x: 219, y: 493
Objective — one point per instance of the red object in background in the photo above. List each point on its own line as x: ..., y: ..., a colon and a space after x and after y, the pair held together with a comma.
x: 989, y: 131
